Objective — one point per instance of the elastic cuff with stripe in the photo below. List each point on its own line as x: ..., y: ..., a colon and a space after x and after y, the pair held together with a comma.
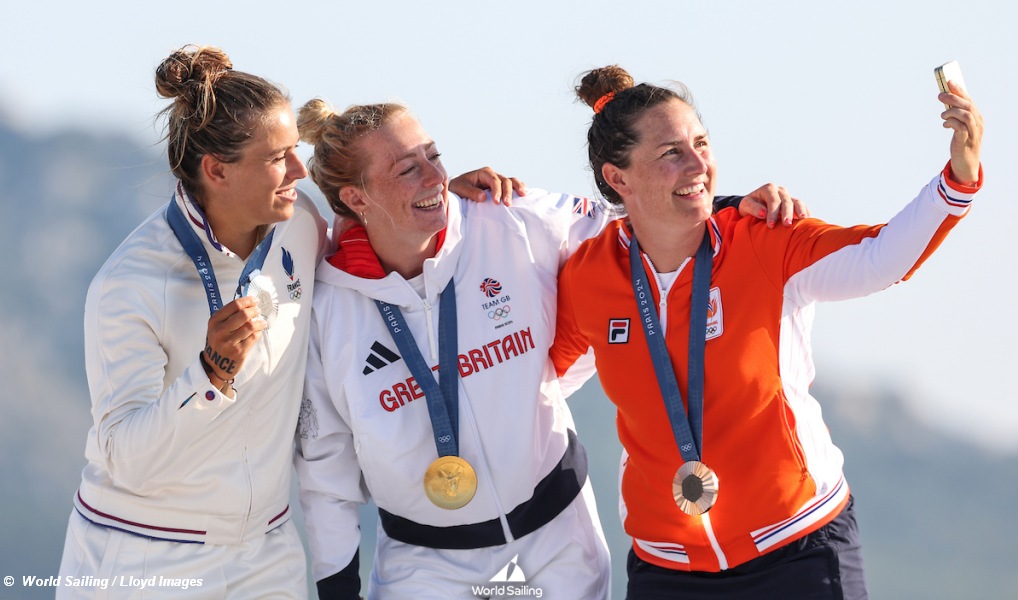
x: 962, y: 188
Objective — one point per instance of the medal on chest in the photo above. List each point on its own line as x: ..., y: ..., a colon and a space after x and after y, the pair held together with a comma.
x: 450, y: 482
x: 695, y: 485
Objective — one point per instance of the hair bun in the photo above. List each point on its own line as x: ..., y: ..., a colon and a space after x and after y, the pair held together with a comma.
x: 190, y: 67
x: 312, y: 119
x: 598, y: 82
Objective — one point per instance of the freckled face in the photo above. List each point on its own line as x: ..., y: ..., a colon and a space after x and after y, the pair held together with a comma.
x: 672, y: 171
x: 404, y: 181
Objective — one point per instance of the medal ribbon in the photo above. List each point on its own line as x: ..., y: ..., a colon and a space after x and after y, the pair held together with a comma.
x: 196, y: 250
x: 442, y: 396
x: 688, y: 431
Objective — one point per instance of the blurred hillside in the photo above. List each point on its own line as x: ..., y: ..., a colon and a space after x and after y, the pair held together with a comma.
x: 934, y: 510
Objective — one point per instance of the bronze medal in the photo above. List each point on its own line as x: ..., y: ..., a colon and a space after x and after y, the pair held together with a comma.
x: 695, y: 488
x: 450, y: 482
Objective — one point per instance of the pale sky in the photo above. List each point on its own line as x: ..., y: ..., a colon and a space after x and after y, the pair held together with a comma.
x: 837, y: 102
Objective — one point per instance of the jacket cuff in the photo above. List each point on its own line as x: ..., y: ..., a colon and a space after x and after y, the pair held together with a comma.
x: 723, y: 202
x: 345, y: 585
x: 957, y: 196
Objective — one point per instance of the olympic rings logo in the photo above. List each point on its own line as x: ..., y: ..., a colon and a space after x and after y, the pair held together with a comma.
x: 499, y: 313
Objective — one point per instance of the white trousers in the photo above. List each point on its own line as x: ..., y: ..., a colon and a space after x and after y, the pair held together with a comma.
x: 566, y: 559
x: 100, y: 563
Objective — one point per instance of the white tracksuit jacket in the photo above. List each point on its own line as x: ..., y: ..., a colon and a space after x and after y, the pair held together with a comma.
x: 169, y: 456
x: 364, y: 428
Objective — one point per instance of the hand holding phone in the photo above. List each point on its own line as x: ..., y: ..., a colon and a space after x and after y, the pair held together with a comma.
x: 949, y: 72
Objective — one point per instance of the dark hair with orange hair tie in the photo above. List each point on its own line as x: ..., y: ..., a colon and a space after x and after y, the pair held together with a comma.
x: 613, y: 134
x: 602, y: 101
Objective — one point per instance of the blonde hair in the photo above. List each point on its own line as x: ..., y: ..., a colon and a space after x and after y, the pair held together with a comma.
x: 337, y: 161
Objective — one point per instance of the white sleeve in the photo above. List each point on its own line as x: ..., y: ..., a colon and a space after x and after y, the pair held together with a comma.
x: 840, y: 263
x: 578, y: 374
x: 141, y: 429
x: 329, y: 479
x: 559, y: 223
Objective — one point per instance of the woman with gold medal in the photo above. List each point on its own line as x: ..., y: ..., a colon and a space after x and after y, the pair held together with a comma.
x: 475, y: 471
x: 700, y: 323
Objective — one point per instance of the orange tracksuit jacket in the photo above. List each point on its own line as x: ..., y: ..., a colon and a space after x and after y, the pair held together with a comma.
x: 780, y: 476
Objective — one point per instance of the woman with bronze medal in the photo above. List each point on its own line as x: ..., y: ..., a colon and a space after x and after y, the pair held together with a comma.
x: 479, y: 471
x: 730, y: 484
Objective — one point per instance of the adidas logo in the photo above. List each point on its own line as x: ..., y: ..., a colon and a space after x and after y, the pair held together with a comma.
x: 379, y: 357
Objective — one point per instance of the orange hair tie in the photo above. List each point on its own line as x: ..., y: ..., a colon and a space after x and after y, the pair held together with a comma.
x: 602, y: 101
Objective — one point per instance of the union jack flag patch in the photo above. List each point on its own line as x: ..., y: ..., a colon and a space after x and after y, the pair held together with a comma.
x: 584, y: 206
x: 491, y: 287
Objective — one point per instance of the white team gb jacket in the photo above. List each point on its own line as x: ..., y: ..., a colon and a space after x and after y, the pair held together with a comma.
x: 169, y: 456
x: 364, y: 429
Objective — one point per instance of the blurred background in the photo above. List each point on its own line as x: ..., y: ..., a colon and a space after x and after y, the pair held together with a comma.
x: 837, y: 102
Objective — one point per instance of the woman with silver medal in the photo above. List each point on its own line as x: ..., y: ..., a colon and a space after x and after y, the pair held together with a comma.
x: 196, y: 333
x: 730, y: 484
x: 194, y: 358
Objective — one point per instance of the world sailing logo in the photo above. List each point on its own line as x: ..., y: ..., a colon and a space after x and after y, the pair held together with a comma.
x: 510, y: 572
x: 510, y: 581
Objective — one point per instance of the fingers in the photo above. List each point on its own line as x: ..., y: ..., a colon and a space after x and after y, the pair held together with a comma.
x: 518, y: 186
x: 501, y: 187
x: 774, y: 203
x: 232, y: 332
x: 801, y: 210
x: 473, y: 185
x: 470, y: 185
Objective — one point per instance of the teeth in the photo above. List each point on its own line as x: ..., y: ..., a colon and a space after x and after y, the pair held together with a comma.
x: 693, y: 189
x: 431, y: 203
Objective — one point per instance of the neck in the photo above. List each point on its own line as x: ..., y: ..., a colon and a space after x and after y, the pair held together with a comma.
x: 668, y: 245
x: 239, y: 239
x: 397, y: 253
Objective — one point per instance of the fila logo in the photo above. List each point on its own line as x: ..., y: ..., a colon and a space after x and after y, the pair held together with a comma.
x: 618, y: 331
x: 379, y: 357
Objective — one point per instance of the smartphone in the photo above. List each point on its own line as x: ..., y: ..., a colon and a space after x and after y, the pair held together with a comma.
x: 949, y: 72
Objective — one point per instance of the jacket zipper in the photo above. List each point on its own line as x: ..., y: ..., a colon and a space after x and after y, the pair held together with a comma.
x: 432, y: 342
x: 662, y: 311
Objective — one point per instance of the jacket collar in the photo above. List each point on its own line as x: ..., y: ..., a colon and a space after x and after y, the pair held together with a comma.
x: 355, y: 265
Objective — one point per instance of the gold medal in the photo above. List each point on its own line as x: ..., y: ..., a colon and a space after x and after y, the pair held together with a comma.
x: 264, y: 293
x: 695, y: 488
x: 450, y: 482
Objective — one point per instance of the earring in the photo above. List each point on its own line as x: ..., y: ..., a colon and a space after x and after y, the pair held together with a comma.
x: 364, y: 220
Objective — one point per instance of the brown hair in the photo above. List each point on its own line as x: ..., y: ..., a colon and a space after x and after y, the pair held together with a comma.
x: 215, y: 109
x: 337, y: 161
x: 612, y: 133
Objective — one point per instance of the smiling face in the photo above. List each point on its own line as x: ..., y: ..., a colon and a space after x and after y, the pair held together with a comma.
x: 404, y: 195
x: 671, y: 172
x: 261, y: 186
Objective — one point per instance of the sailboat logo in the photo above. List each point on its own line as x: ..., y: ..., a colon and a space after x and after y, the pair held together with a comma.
x: 510, y: 572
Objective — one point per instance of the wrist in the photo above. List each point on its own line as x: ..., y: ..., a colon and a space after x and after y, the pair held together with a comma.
x: 220, y: 383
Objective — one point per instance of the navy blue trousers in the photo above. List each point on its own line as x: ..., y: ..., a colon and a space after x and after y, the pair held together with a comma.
x: 826, y: 564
